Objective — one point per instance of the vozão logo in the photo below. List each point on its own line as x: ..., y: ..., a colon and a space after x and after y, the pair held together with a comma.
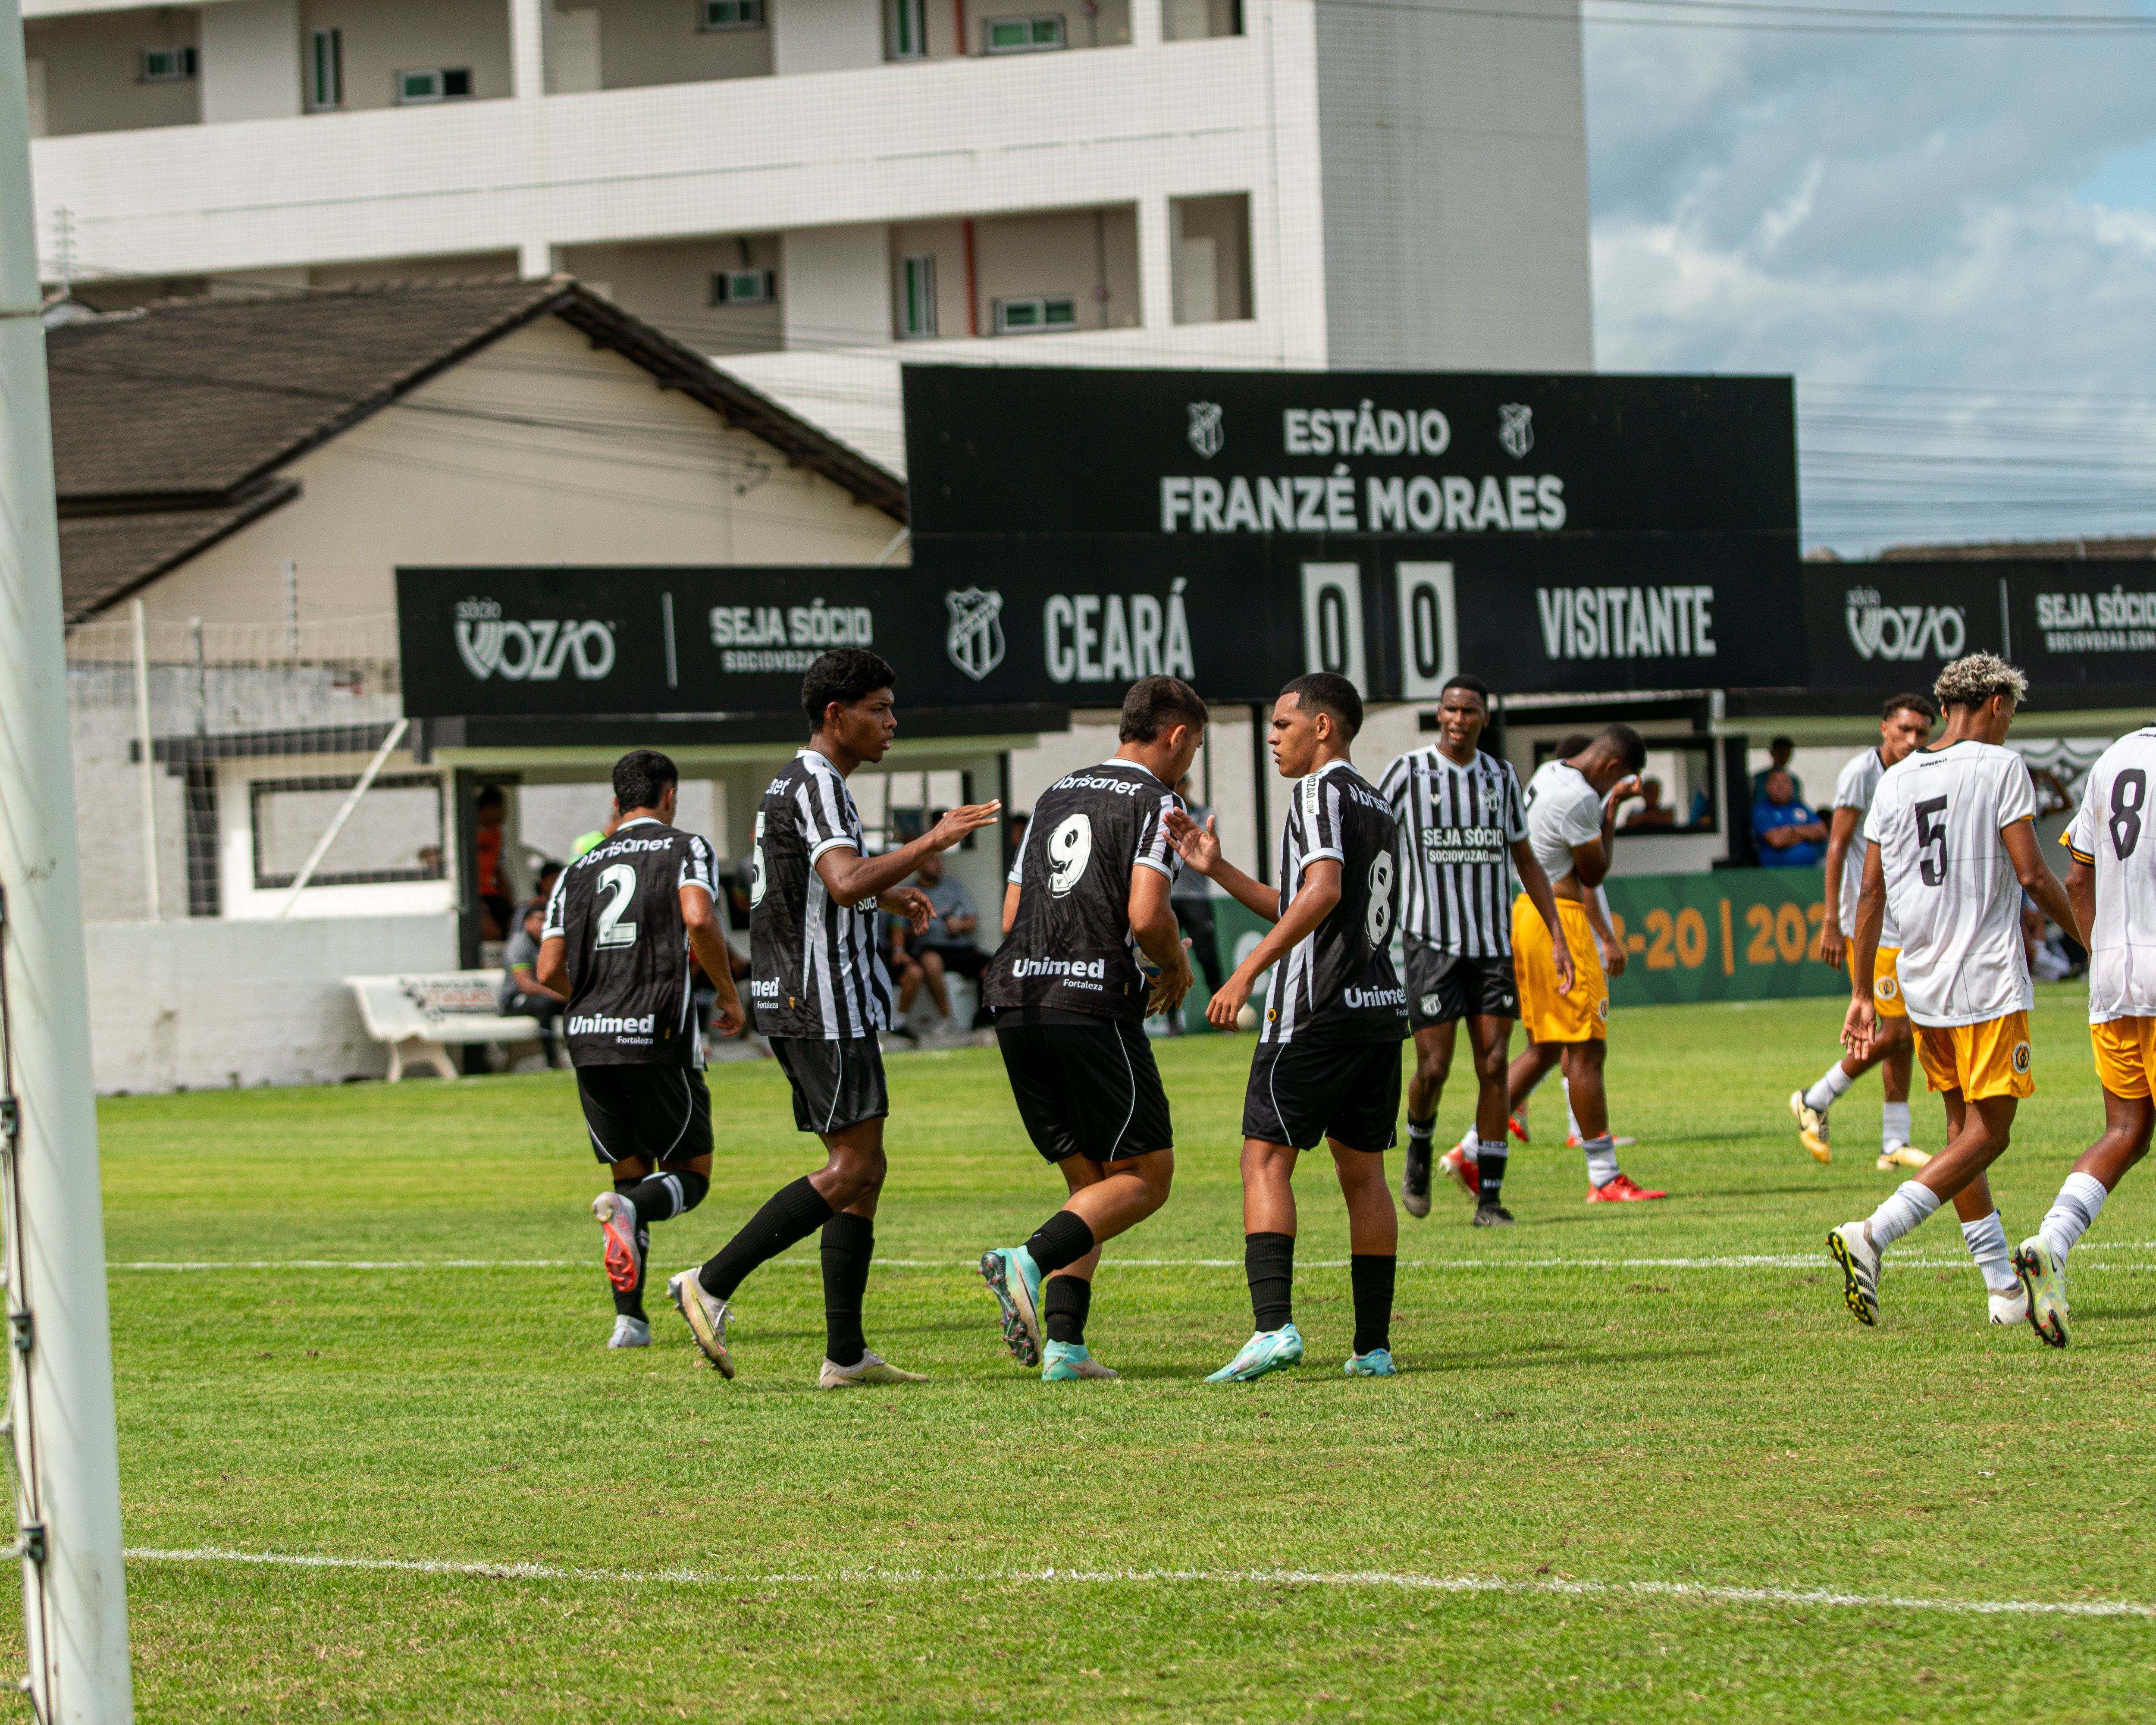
x: 533, y: 650
x: 1879, y: 631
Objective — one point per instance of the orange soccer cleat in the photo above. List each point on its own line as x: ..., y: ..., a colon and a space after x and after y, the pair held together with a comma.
x: 1460, y: 1167
x: 1621, y: 1190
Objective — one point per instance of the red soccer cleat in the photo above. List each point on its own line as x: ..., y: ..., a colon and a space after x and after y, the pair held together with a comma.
x: 1518, y: 1124
x: 1461, y: 1167
x: 1621, y: 1190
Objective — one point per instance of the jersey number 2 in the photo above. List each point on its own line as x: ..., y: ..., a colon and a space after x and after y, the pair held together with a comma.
x: 2125, y: 821
x: 620, y: 880
x: 1932, y: 832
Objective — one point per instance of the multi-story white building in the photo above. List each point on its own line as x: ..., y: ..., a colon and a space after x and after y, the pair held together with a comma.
x: 799, y: 187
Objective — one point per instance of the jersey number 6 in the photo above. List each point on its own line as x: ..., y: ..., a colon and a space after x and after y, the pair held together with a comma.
x: 620, y: 880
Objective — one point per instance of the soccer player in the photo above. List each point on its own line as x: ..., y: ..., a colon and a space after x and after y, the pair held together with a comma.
x: 1459, y: 815
x: 1905, y: 724
x: 1327, y: 1064
x: 621, y: 927
x: 1950, y: 847
x: 820, y: 993
x: 1071, y: 1000
x: 2112, y: 883
x: 1572, y: 809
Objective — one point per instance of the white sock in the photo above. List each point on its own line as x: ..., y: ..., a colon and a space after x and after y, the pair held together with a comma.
x: 1830, y: 1089
x: 1485, y: 1145
x: 1601, y: 1161
x: 1571, y: 1119
x: 1910, y: 1203
x: 1893, y: 1124
x: 2072, y: 1211
x: 1422, y: 1130
x: 1987, y: 1244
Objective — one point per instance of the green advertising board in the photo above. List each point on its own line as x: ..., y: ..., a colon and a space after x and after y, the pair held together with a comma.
x: 1735, y: 934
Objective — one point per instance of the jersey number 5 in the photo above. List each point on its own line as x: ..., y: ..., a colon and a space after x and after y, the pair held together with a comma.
x: 620, y: 880
x: 2125, y: 821
x: 1932, y: 832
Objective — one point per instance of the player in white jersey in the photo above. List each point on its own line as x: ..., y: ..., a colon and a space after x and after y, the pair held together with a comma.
x: 1951, y: 846
x: 1905, y: 724
x: 1572, y: 809
x: 2112, y: 885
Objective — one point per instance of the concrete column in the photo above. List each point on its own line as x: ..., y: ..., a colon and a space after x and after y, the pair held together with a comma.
x: 250, y: 60
x: 1145, y: 23
x: 834, y: 286
x: 825, y: 35
x: 1156, y: 262
x: 527, y: 49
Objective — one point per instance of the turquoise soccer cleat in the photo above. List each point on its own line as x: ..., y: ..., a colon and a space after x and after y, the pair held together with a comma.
x: 1267, y: 1351
x: 1063, y: 1362
x: 1378, y: 1362
x: 1014, y: 1279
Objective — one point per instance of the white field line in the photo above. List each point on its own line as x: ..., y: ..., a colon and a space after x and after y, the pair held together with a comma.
x: 1792, y: 1597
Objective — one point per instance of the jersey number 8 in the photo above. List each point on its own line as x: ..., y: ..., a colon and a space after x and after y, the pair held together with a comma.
x: 1070, y: 849
x: 620, y: 880
x: 2125, y: 821
x: 1378, y: 921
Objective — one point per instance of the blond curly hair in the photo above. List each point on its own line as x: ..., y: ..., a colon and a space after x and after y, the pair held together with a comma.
x: 1973, y: 680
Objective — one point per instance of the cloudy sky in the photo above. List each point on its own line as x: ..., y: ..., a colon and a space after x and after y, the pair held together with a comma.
x: 1949, y: 239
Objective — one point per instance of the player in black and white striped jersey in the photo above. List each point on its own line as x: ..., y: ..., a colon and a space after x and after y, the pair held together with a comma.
x: 820, y: 993
x: 1463, y: 831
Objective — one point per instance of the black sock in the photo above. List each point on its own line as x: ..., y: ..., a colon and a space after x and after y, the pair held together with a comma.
x: 1268, y: 1262
x: 1067, y: 1300
x: 665, y: 1196
x: 849, y: 1243
x: 1062, y: 1238
x: 789, y: 1216
x: 631, y: 1304
x: 1371, y: 1277
x: 1491, y: 1163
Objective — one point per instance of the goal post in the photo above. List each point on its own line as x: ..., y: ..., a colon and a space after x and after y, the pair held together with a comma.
x: 60, y: 1407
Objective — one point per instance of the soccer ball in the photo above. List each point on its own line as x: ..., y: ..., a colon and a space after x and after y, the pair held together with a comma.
x: 1247, y: 1018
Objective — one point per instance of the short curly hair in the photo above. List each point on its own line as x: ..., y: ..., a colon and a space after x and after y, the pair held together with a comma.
x: 1973, y: 680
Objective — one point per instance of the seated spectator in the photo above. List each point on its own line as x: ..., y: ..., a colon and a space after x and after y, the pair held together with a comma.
x: 519, y: 991
x: 1653, y: 811
x: 945, y: 946
x: 1778, y: 761
x: 548, y: 872
x: 1791, y: 836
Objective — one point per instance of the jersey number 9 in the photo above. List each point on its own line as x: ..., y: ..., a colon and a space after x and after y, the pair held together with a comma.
x: 613, y: 930
x: 1070, y: 849
x: 1931, y: 832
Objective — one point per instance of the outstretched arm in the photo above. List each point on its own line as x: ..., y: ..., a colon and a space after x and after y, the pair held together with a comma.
x: 1312, y: 903
x: 1200, y: 849
x: 850, y: 877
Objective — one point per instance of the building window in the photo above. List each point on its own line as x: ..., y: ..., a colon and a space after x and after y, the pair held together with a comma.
x: 909, y: 30
x: 396, y: 834
x: 917, y: 312
x: 733, y: 15
x: 1022, y: 35
x: 325, y: 69
x: 167, y: 65
x: 1053, y: 311
x: 443, y: 83
x: 743, y: 287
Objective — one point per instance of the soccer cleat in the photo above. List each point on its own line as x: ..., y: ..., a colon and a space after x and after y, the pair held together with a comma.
x: 1811, y: 1127
x: 1621, y: 1190
x: 1267, y: 1351
x: 1460, y: 1168
x: 2043, y: 1274
x: 706, y: 1316
x: 1851, y: 1245
x: 629, y: 1333
x: 1575, y: 1141
x: 1414, y: 1177
x: 1014, y: 1279
x: 870, y: 1368
x: 1899, y: 1154
x: 2008, y: 1308
x: 1061, y: 1362
x: 1378, y: 1362
x: 1493, y: 1214
x: 624, y: 1264
x: 1516, y: 1123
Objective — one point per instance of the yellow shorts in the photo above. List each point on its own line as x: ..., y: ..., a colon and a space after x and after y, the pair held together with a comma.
x: 1583, y: 1014
x: 1979, y: 1061
x: 2126, y: 1055
x: 1886, y: 984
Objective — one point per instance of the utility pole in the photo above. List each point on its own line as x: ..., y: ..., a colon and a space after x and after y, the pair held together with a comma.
x: 67, y: 1465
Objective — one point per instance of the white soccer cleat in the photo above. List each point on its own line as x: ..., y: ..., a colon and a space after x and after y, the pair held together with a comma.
x: 1899, y: 1154
x: 873, y: 1368
x: 706, y: 1316
x: 1858, y: 1259
x: 2009, y: 1308
x: 1061, y: 1362
x: 1811, y: 1127
x: 629, y: 1333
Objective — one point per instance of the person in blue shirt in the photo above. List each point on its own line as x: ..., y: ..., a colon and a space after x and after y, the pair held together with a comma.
x: 1790, y: 836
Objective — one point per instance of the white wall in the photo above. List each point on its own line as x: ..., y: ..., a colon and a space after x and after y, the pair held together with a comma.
x: 193, y: 1004
x: 250, y: 60
x: 834, y: 286
x: 825, y: 35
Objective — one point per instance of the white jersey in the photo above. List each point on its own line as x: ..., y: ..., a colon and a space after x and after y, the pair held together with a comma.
x: 1854, y: 789
x: 1563, y: 811
x: 2106, y: 834
x: 1936, y: 817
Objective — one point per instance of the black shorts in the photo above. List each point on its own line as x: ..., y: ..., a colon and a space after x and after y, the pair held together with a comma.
x: 1302, y: 1091
x: 660, y: 1113
x: 1086, y: 1085
x: 1444, y: 988
x: 838, y: 1081
x: 967, y: 962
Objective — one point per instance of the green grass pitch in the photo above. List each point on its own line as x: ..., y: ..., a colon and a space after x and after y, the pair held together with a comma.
x: 1667, y: 1469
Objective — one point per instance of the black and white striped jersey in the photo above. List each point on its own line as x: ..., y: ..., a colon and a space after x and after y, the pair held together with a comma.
x: 617, y: 910
x: 1070, y: 946
x: 815, y: 970
x: 1338, y: 984
x: 1457, y: 825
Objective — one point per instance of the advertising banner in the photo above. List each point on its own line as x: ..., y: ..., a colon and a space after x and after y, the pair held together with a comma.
x: 1878, y: 629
